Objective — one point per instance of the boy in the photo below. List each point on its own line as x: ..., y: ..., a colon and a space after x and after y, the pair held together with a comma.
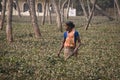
x: 71, y: 37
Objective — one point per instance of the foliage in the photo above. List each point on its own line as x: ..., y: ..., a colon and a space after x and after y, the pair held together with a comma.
x: 28, y: 58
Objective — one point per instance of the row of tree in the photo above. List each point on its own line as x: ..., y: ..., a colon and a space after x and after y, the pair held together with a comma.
x: 58, y: 5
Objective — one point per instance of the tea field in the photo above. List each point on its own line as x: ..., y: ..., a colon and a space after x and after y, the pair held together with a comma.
x: 28, y: 58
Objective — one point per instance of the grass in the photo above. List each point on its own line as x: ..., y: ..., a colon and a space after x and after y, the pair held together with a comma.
x: 28, y: 58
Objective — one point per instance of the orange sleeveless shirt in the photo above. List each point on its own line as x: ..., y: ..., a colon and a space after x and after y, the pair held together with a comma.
x: 69, y: 42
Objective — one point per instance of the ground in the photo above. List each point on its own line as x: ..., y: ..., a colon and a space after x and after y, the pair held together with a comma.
x: 28, y: 58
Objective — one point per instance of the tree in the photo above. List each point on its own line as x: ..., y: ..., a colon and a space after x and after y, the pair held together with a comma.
x: 44, y: 12
x: 62, y: 10
x: 118, y: 7
x: 9, y: 21
x: 3, y: 14
x: 83, y: 8
x: 28, y: 3
x: 102, y: 11
x: 58, y: 19
x: 49, y: 11
x: 104, y: 4
x: 34, y: 18
x: 88, y: 5
x: 68, y: 6
x: 90, y: 17
x: 18, y: 8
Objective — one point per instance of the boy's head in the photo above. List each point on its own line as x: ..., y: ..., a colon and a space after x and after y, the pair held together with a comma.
x: 69, y: 25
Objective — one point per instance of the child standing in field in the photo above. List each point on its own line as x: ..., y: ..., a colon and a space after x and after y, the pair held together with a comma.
x: 69, y: 43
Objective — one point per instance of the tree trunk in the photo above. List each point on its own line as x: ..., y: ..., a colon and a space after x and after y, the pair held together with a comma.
x: 34, y: 19
x: 28, y: 2
x: 3, y: 14
x: 62, y: 10
x: 88, y: 5
x: 49, y: 11
x: 72, y: 4
x: 84, y: 10
x: 59, y: 4
x: 44, y: 13
x: 9, y: 21
x: 118, y: 7
x: 68, y: 7
x: 18, y: 8
x: 58, y: 19
x: 115, y: 12
x: 90, y: 17
x: 102, y: 11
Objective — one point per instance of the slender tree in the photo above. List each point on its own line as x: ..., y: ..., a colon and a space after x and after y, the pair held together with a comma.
x: 102, y: 11
x: 58, y: 19
x: 68, y: 7
x: 44, y: 12
x: 18, y: 8
x: 88, y: 5
x: 62, y: 10
x: 28, y: 3
x: 3, y: 14
x: 34, y: 18
x: 90, y: 17
x: 115, y: 11
x: 83, y: 8
x: 59, y: 3
x: 49, y: 11
x: 118, y: 7
x: 9, y: 21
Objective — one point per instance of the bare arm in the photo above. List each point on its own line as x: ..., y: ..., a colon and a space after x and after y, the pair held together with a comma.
x: 79, y: 43
x: 62, y: 46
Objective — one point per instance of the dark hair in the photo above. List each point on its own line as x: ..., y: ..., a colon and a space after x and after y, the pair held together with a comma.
x: 70, y: 24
